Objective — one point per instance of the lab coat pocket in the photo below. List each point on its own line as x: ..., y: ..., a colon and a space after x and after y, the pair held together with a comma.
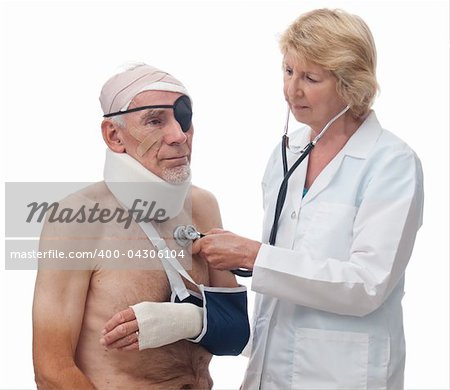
x: 330, y: 233
x: 326, y: 359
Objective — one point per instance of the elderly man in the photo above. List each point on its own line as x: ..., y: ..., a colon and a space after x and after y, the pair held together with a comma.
x: 148, y: 131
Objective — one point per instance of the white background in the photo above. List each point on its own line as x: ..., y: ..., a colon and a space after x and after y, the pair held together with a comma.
x: 55, y: 57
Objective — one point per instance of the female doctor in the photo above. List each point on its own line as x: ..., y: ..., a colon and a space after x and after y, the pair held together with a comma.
x: 328, y: 309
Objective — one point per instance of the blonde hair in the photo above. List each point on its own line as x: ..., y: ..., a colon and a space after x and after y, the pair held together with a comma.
x: 342, y: 44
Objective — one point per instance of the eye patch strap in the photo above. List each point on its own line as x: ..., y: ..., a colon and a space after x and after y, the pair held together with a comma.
x: 182, y: 111
x: 136, y: 109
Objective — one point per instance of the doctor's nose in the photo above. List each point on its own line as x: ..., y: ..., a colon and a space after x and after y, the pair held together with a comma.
x: 293, y: 89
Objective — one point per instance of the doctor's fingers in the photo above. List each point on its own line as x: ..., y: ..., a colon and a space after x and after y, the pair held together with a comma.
x: 210, y: 250
x: 196, y: 247
x: 203, y: 246
x: 125, y: 333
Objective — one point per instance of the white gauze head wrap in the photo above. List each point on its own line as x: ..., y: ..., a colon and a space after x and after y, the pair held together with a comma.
x: 118, y: 92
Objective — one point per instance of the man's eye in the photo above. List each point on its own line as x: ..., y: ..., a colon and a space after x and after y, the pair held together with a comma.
x: 288, y: 71
x: 309, y: 78
x: 153, y: 122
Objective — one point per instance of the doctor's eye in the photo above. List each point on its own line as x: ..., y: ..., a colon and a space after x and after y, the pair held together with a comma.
x: 311, y: 79
x: 288, y: 70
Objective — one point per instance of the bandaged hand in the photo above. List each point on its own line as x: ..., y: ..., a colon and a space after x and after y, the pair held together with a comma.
x: 152, y: 325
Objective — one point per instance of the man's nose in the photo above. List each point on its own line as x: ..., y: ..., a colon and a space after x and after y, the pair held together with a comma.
x: 174, y: 134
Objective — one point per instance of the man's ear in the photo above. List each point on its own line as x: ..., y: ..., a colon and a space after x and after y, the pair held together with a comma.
x: 112, y: 136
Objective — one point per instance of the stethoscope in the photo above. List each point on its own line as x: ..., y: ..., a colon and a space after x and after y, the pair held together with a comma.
x: 184, y: 234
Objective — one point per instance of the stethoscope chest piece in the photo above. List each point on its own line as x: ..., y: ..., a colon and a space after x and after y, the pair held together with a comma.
x: 185, y: 234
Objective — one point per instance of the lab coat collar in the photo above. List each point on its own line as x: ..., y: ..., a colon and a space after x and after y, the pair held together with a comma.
x: 358, y: 146
x: 362, y: 141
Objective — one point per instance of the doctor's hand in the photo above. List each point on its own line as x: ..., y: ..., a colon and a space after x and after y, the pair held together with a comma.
x: 225, y: 250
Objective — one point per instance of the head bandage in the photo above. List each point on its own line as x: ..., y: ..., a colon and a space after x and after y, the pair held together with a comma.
x: 118, y: 92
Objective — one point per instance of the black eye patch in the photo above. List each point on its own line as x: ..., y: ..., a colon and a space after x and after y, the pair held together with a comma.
x: 182, y: 111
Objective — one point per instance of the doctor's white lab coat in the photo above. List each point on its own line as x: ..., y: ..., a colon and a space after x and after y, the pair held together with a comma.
x: 328, y: 309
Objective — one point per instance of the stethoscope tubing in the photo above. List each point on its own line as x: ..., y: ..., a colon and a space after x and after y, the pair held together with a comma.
x: 282, y: 192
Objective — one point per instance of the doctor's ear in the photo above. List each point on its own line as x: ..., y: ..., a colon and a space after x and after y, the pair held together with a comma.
x: 112, y: 135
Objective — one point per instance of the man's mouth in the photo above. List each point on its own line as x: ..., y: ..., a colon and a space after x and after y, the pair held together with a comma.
x: 176, y: 160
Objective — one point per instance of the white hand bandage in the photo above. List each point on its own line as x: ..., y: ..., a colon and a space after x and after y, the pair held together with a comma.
x: 162, y: 323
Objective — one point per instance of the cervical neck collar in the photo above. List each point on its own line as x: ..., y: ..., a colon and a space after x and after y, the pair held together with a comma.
x: 129, y: 181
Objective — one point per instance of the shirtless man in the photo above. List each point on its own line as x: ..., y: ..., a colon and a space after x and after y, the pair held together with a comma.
x: 71, y: 307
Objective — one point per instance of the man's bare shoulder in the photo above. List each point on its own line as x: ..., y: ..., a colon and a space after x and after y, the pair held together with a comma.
x: 205, y: 209
x: 94, y: 193
x: 200, y: 196
x: 79, y: 211
x: 89, y: 220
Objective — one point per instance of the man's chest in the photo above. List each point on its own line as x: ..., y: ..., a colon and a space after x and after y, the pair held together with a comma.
x: 114, y: 290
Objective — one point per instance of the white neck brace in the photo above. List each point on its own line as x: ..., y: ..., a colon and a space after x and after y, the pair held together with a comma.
x: 129, y: 181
